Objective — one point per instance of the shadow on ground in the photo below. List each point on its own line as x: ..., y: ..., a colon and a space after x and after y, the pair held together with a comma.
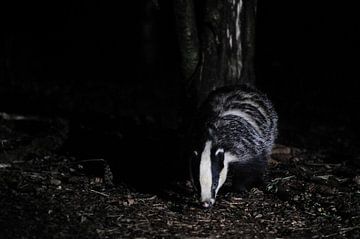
x: 140, y: 153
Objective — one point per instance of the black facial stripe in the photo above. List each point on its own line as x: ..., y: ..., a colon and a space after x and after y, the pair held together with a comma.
x: 215, y: 180
x: 217, y: 164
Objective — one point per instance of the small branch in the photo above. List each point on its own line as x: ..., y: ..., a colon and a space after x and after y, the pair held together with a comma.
x: 7, y: 116
x: 283, y: 179
x: 348, y: 229
x: 100, y: 193
x: 4, y: 165
x: 323, y: 164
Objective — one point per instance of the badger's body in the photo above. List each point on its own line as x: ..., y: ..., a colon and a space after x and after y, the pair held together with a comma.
x: 234, y: 130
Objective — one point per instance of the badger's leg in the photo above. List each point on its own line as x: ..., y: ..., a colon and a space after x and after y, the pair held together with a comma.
x: 246, y: 176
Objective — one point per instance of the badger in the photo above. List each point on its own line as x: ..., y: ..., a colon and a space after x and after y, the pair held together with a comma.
x: 233, y: 133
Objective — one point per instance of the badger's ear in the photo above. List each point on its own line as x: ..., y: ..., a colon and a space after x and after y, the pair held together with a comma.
x: 219, y: 152
x: 219, y: 156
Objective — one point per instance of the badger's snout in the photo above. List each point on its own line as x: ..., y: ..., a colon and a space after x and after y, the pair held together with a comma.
x: 208, y: 203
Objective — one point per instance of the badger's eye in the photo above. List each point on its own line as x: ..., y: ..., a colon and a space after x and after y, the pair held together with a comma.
x: 196, y: 153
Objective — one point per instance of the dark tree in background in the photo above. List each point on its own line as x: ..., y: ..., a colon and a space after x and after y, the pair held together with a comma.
x: 91, y: 58
x: 216, y: 40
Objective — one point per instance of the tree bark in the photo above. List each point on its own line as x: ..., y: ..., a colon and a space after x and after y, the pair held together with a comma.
x: 219, y: 49
x: 187, y: 36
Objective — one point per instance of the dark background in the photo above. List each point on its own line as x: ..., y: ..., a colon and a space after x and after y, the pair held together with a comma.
x: 99, y: 62
x: 99, y: 85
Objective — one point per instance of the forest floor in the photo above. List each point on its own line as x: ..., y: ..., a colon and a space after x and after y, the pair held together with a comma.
x: 46, y: 191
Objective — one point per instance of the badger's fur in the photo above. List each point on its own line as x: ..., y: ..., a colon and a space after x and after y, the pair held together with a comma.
x: 234, y: 131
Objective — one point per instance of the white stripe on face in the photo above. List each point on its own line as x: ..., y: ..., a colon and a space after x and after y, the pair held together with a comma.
x: 205, y: 173
x: 228, y: 158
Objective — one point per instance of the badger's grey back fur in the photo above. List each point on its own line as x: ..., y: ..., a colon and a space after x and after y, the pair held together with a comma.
x: 242, y: 123
x: 242, y: 120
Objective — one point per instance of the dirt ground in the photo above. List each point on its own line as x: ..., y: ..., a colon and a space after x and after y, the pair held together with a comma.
x: 47, y: 191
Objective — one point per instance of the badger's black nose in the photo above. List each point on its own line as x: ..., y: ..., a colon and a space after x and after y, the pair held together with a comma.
x: 207, y: 204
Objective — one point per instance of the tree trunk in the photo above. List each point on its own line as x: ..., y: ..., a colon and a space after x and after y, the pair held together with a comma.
x: 217, y: 50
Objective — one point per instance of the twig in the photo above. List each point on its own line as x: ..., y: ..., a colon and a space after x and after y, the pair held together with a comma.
x: 7, y: 116
x: 112, y: 216
x: 35, y: 173
x: 282, y: 179
x: 348, y: 229
x: 331, y: 235
x: 323, y: 164
x: 112, y: 230
x: 342, y: 231
x: 309, y: 213
x: 5, y: 165
x: 148, y: 199
x: 100, y: 193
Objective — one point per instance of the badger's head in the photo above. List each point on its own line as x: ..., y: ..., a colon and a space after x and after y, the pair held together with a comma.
x: 209, y: 168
